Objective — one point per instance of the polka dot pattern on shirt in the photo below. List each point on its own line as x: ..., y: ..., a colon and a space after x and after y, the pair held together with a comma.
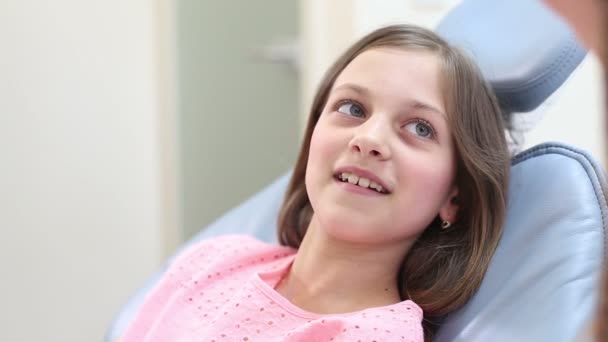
x: 223, y: 290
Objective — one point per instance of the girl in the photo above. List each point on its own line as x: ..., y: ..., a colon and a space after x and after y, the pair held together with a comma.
x: 394, y: 210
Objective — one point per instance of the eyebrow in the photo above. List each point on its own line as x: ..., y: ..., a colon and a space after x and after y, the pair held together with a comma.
x: 366, y: 92
x: 354, y: 87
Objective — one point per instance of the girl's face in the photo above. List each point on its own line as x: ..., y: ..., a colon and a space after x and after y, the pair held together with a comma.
x: 381, y: 164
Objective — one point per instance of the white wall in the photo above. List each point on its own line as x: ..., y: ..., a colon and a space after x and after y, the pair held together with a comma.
x: 370, y: 15
x: 326, y: 29
x: 80, y: 183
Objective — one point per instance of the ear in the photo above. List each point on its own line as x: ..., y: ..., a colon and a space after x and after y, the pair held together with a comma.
x: 449, y: 211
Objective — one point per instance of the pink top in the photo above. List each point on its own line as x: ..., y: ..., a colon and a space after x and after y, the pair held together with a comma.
x: 222, y: 289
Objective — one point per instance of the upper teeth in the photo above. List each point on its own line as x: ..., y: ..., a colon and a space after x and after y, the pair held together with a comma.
x: 361, y: 181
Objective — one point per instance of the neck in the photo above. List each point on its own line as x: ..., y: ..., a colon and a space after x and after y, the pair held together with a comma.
x: 333, y: 276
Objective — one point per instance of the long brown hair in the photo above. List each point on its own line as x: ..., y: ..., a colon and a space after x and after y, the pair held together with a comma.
x: 444, y: 267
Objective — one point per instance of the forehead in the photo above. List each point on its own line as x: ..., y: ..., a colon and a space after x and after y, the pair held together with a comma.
x: 394, y: 73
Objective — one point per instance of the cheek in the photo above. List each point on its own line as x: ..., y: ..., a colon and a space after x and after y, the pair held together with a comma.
x: 320, y: 154
x: 430, y: 177
x: 324, y: 147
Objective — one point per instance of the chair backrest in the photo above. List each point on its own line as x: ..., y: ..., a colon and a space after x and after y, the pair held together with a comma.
x: 543, y: 281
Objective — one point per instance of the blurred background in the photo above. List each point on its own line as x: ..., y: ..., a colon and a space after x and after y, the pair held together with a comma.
x: 127, y: 126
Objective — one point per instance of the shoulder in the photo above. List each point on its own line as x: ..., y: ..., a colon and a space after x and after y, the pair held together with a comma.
x: 399, y: 322
x: 217, y: 244
x: 205, y: 253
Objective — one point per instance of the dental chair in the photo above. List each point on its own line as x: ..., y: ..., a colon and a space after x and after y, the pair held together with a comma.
x: 543, y: 281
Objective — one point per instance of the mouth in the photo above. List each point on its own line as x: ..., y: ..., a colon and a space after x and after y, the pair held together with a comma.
x: 360, y: 181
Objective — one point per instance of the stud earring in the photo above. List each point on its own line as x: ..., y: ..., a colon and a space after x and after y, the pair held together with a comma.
x: 446, y: 224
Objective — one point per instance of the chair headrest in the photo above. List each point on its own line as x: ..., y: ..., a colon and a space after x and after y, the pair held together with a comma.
x: 524, y: 50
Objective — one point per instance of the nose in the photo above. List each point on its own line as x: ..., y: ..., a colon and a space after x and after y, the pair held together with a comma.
x: 370, y: 140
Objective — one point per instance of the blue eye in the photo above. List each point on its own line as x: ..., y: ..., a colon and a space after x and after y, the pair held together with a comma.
x: 350, y: 108
x: 420, y: 128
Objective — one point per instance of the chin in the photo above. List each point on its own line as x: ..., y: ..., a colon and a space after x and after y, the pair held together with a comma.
x: 352, y: 228
x: 360, y: 228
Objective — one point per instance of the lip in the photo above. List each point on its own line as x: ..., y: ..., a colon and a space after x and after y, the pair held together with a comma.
x: 365, y: 174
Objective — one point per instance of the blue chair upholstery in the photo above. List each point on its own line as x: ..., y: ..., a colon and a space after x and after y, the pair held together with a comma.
x: 542, y: 283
